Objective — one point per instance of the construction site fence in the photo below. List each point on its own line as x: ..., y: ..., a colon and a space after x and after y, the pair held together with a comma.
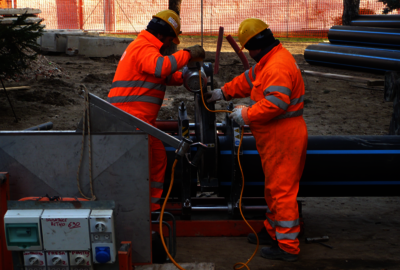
x: 286, y: 18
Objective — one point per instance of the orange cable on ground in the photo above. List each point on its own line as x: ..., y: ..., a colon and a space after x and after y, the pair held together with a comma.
x: 241, y: 213
x: 162, y: 213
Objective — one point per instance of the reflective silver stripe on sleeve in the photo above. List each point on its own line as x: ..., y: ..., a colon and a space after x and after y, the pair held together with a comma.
x: 148, y: 99
x: 252, y: 102
x: 143, y: 84
x: 280, y: 89
x: 253, y: 71
x: 158, y: 185
x: 174, y: 65
x: 246, y: 74
x: 289, y: 114
x: 271, y: 222
x: 159, y: 64
x: 289, y: 236
x: 288, y: 224
x: 155, y: 200
x: 278, y: 102
x: 268, y: 211
x: 296, y: 101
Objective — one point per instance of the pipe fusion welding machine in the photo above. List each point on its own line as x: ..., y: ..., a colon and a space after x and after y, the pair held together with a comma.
x: 62, y: 234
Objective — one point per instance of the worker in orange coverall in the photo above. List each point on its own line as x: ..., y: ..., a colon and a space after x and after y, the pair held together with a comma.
x: 275, y: 117
x: 140, y: 82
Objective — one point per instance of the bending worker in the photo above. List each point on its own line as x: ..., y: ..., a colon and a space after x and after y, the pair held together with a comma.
x: 140, y: 82
x: 274, y: 115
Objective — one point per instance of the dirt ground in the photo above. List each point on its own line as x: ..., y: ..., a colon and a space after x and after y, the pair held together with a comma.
x: 332, y: 107
x: 364, y: 232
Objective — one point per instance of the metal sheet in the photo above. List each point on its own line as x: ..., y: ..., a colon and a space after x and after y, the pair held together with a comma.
x: 41, y: 163
x: 108, y: 118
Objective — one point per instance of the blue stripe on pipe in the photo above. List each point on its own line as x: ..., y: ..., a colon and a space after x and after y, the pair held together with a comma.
x: 355, y: 47
x: 375, y: 21
x: 327, y: 152
x: 385, y: 33
x: 347, y: 41
x: 357, y: 55
x: 332, y: 63
x: 351, y: 152
x: 328, y: 183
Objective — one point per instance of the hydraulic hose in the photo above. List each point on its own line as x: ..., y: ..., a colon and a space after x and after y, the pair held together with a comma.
x: 236, y: 266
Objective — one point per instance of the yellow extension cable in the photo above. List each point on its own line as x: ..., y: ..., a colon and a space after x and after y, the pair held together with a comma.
x: 240, y: 200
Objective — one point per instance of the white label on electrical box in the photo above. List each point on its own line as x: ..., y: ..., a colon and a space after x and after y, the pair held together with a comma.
x: 34, y: 258
x: 81, y: 258
x: 57, y: 260
x: 66, y: 229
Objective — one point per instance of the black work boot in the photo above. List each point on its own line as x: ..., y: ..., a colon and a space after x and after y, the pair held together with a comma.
x: 276, y: 253
x: 263, y: 237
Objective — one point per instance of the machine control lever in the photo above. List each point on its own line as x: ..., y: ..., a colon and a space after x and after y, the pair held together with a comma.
x: 200, y: 151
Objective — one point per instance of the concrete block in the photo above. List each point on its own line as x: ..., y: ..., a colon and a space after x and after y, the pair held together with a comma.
x: 103, y: 46
x: 56, y: 40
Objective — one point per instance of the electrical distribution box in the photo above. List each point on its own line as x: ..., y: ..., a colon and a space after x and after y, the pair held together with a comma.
x: 102, y: 236
x: 22, y: 229
x: 65, y: 229
x: 61, y: 239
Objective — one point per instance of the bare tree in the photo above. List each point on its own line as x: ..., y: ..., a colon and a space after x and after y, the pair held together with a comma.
x: 390, y: 5
x: 174, y: 5
x: 350, y: 10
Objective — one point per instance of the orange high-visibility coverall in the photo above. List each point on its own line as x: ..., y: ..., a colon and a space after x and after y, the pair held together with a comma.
x: 276, y: 88
x: 139, y: 87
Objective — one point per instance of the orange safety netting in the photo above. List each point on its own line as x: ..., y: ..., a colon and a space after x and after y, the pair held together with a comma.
x: 287, y: 18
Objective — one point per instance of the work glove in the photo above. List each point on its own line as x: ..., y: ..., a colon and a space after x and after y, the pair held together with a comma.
x: 197, y: 53
x: 237, y: 116
x: 214, y: 96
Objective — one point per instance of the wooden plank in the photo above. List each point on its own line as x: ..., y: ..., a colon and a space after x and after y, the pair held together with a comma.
x: 13, y: 11
x: 368, y: 81
x: 17, y: 88
x: 11, y: 20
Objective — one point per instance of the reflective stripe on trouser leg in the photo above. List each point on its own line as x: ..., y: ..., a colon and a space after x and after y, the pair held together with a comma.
x: 282, y: 146
x: 158, y: 164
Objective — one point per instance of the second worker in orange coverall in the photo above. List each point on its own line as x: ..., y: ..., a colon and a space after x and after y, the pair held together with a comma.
x: 140, y: 82
x: 275, y: 117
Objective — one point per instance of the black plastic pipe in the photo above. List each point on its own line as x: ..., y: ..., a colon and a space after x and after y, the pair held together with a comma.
x: 354, y: 57
x: 335, y: 166
x: 44, y: 126
x: 387, y: 21
x: 365, y: 36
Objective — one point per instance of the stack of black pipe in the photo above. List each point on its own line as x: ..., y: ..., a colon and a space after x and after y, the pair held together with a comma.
x: 371, y: 42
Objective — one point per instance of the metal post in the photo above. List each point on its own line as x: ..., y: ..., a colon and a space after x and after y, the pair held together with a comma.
x: 201, y: 23
x: 80, y: 12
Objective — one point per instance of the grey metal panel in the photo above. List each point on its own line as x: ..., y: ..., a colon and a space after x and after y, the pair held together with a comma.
x: 105, y: 118
x: 47, y: 162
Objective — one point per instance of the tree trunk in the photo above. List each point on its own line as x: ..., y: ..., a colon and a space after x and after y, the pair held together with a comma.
x: 174, y: 5
x: 350, y: 10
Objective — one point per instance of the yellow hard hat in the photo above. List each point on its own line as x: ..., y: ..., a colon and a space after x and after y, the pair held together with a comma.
x: 250, y: 28
x: 170, y: 17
